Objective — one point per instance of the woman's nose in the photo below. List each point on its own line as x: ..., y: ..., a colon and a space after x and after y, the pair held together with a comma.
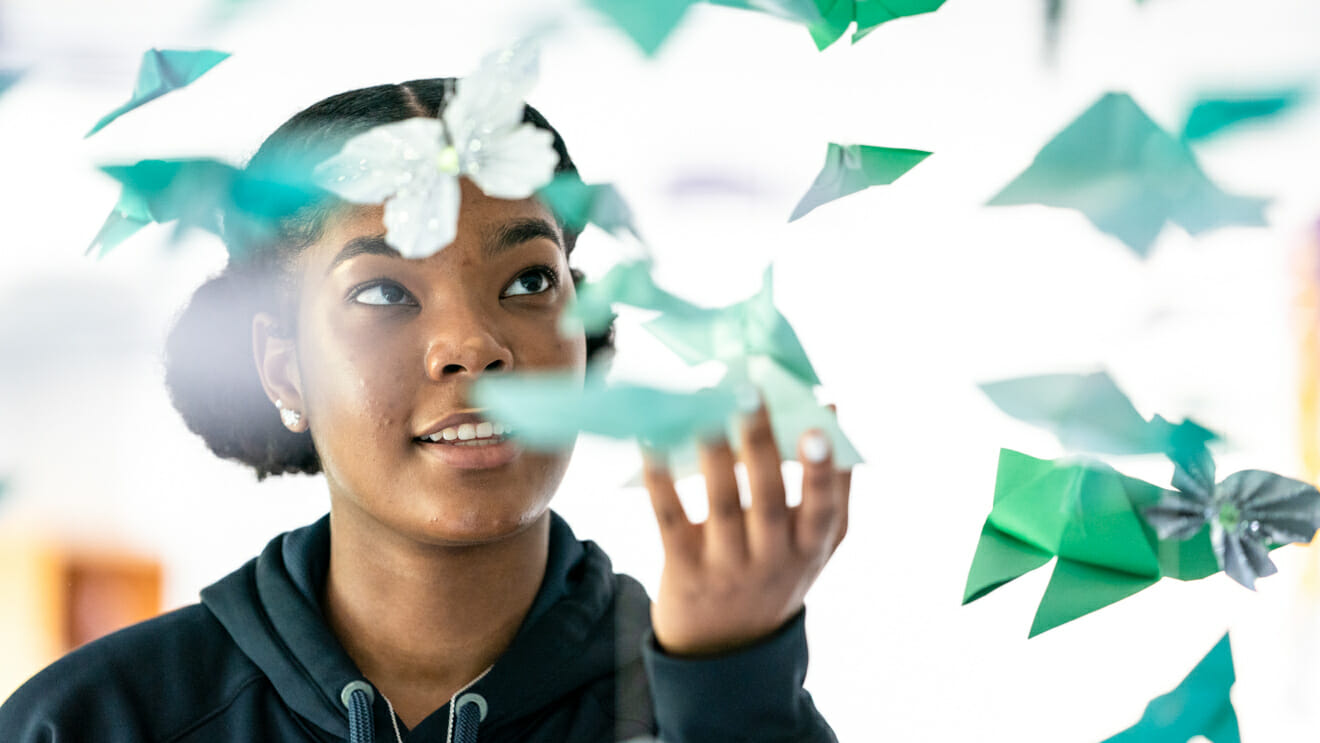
x: 463, y: 344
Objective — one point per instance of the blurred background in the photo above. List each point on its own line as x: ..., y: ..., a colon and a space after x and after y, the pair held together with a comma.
x: 906, y: 296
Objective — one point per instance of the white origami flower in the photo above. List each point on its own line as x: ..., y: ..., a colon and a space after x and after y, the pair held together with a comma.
x: 413, y: 166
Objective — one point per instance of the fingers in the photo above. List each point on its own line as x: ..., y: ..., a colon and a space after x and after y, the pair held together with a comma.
x: 767, y: 519
x: 820, y: 516
x: 677, y: 534
x: 724, y: 538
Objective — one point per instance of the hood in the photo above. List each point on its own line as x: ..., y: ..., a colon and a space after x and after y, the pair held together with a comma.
x: 574, y: 635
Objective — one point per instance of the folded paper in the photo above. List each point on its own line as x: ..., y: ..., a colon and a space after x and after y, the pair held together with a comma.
x: 852, y: 168
x: 413, y: 166
x: 162, y: 71
x: 1200, y: 706
x: 549, y: 410
x: 1089, y: 517
x: 578, y: 204
x: 647, y: 22
x: 1247, y: 514
x: 732, y: 334
x: 1212, y: 114
x: 628, y: 284
x: 828, y: 20
x: 1129, y: 177
x: 1088, y: 412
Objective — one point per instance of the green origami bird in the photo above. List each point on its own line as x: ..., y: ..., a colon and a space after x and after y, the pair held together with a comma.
x: 828, y: 20
x: 162, y: 71
x: 1212, y: 114
x: 1200, y: 705
x: 1128, y: 177
x: 852, y: 168
x: 195, y: 193
x: 625, y: 283
x: 1088, y: 412
x: 1088, y: 516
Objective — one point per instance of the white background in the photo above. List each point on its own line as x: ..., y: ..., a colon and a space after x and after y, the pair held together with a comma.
x: 905, y: 296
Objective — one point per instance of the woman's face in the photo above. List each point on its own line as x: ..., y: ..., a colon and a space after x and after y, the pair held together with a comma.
x: 388, y: 348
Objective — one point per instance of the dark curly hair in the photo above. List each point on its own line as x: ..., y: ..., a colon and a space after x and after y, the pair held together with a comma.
x: 209, y: 367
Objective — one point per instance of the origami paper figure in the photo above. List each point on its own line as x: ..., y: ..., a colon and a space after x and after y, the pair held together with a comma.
x: 577, y: 204
x: 626, y: 283
x: 1088, y: 412
x: 828, y: 20
x: 194, y: 193
x: 1247, y: 513
x: 413, y: 166
x: 8, y: 78
x: 162, y: 71
x: 1089, y: 517
x: 548, y: 410
x: 1128, y: 177
x: 1200, y: 705
x: 852, y: 168
x: 732, y: 334
x: 1212, y: 114
x: 647, y: 22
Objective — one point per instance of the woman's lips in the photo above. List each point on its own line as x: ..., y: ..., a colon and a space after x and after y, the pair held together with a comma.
x: 483, y: 453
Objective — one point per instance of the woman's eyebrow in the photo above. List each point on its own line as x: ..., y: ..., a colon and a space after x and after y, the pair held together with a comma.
x: 373, y: 244
x: 516, y: 232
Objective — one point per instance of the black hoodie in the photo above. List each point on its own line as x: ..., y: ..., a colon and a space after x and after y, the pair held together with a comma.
x: 255, y: 662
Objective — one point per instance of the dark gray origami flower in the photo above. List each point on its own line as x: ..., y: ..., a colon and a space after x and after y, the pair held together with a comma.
x: 1249, y: 512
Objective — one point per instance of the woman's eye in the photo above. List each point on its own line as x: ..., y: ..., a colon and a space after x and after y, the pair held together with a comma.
x: 534, y: 281
x: 383, y: 294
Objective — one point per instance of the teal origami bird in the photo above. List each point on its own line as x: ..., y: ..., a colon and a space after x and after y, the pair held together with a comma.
x: 578, y: 204
x: 852, y: 168
x: 1088, y: 412
x: 1129, y: 177
x: 1200, y: 705
x: 194, y: 193
x: 162, y: 71
x: 1214, y: 113
x: 828, y: 20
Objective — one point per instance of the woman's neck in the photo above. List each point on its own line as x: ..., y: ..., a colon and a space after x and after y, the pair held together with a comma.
x: 422, y: 621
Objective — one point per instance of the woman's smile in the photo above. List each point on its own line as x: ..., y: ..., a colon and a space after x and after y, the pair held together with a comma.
x: 468, y: 441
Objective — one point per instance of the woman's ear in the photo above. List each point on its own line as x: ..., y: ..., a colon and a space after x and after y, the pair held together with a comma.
x: 277, y: 365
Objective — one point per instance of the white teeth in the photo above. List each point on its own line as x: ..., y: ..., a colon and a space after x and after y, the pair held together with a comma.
x: 471, y: 433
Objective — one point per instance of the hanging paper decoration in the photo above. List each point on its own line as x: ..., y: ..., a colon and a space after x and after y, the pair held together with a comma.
x: 852, y: 168
x: 1248, y: 514
x: 828, y: 20
x: 1212, y: 114
x: 578, y: 204
x: 162, y: 71
x: 413, y: 166
x: 1088, y: 412
x: 1199, y: 706
x: 647, y: 22
x: 1128, y: 177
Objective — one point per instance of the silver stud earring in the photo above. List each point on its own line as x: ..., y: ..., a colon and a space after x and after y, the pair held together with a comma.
x: 290, y: 417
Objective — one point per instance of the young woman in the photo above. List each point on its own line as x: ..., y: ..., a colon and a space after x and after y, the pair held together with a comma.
x: 441, y: 599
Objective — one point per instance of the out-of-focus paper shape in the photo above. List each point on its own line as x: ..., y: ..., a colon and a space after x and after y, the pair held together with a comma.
x: 628, y: 284
x: 852, y: 168
x: 1248, y: 514
x: 1128, y: 177
x: 548, y: 410
x: 578, y: 204
x: 647, y: 22
x: 8, y: 78
x: 828, y: 20
x: 1088, y: 412
x: 1088, y: 516
x: 162, y: 71
x: 1212, y: 114
x: 732, y: 334
x: 194, y: 193
x: 1199, y: 706
x: 413, y: 166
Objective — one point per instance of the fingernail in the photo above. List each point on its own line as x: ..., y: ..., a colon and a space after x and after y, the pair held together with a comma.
x: 815, y: 447
x: 749, y: 400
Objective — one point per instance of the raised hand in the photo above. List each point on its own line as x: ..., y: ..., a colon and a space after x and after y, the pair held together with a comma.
x: 743, y: 572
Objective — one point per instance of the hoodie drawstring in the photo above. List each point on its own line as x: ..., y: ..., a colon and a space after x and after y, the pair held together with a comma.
x: 357, y: 696
x: 471, y: 711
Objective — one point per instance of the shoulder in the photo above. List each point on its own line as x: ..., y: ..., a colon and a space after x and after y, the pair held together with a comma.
x: 146, y: 682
